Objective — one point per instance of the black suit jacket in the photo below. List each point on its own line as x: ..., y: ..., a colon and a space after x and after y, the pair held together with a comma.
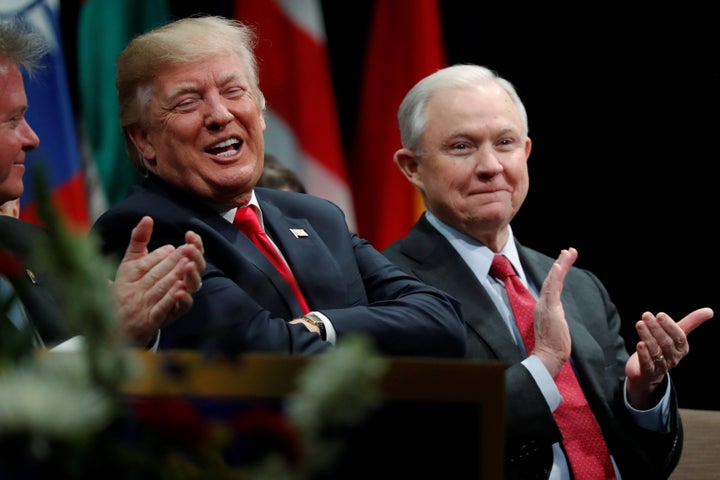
x: 599, y: 355
x: 244, y: 304
x: 37, y: 292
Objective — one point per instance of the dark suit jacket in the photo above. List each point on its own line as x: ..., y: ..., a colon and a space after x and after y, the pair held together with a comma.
x: 599, y: 355
x: 37, y: 294
x: 243, y: 298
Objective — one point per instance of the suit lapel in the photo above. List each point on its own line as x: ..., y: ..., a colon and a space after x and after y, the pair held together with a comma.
x: 248, y: 253
x: 303, y: 249
x: 586, y: 352
x: 438, y: 263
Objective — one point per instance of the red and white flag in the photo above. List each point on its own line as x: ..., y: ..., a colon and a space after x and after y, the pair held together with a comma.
x: 405, y: 45
x: 303, y: 128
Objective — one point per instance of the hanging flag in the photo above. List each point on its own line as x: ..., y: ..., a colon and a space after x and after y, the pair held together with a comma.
x: 303, y: 130
x: 51, y: 115
x: 105, y: 27
x: 405, y: 44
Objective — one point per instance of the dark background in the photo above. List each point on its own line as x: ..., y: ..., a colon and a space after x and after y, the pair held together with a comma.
x: 623, y: 116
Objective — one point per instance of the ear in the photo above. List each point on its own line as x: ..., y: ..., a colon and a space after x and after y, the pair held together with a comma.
x: 144, y: 145
x: 408, y: 164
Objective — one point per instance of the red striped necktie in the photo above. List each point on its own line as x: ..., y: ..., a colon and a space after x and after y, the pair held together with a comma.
x: 247, y: 221
x: 583, y: 441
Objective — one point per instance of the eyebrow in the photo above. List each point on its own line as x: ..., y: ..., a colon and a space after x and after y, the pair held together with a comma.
x: 225, y: 77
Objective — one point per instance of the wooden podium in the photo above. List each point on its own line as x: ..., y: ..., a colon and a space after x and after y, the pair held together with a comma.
x: 439, y: 419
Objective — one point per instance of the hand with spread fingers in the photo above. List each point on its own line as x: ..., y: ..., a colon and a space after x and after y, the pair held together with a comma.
x: 663, y: 343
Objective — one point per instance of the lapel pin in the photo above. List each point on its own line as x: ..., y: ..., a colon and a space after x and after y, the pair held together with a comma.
x: 31, y: 276
x: 298, y: 232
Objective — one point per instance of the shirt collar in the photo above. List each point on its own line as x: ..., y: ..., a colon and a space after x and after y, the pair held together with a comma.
x: 475, y: 252
x: 229, y: 215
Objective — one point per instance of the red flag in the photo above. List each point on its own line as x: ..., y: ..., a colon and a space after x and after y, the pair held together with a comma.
x: 405, y: 45
x: 303, y: 130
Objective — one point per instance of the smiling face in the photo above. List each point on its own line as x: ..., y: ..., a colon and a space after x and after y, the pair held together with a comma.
x: 473, y: 171
x: 16, y: 136
x: 205, y: 132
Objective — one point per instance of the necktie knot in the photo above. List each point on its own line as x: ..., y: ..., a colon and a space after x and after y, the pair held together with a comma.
x: 247, y: 221
x: 501, y: 268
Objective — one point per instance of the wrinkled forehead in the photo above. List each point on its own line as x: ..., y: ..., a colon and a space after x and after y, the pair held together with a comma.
x: 222, y: 62
x: 214, y: 72
x: 487, y: 100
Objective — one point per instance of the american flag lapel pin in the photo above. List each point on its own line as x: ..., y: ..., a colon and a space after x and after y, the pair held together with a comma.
x: 298, y: 232
x: 31, y: 276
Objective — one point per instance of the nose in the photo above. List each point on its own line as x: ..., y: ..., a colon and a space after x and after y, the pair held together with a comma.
x: 487, y: 161
x: 218, y: 115
x: 30, y: 138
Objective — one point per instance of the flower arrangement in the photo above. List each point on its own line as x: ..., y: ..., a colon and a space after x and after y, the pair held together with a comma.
x: 67, y: 415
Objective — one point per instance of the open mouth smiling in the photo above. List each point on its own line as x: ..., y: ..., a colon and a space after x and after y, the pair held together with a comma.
x: 226, y: 148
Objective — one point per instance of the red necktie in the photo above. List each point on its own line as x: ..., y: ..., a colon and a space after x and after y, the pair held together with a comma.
x: 247, y: 221
x: 582, y: 439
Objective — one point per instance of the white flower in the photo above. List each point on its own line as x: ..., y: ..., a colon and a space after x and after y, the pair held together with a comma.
x: 51, y: 399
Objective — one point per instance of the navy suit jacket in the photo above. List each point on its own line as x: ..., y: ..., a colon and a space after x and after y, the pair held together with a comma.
x: 598, y: 354
x: 244, y: 305
x: 37, y: 293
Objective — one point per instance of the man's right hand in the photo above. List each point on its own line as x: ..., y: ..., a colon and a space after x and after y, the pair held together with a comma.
x: 552, y: 336
x: 154, y: 288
